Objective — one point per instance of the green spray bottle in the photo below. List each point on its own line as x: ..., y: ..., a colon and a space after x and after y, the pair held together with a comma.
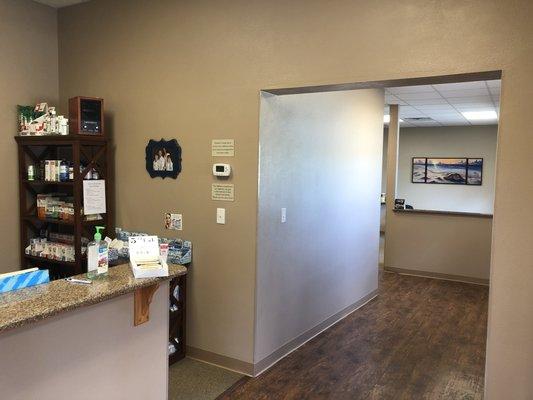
x: 97, y: 256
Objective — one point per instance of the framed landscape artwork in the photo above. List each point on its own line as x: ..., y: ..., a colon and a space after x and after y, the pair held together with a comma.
x: 450, y: 171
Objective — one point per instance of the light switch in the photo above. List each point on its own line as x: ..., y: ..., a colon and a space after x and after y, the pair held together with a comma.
x: 221, y: 215
x: 283, y: 215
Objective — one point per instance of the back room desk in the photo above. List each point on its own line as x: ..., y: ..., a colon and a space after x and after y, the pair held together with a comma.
x: 72, y: 341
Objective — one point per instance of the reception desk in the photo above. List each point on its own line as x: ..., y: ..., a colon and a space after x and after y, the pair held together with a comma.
x: 439, y: 244
x: 107, y: 340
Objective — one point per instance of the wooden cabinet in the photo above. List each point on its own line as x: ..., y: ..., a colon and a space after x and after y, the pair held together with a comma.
x: 85, y: 154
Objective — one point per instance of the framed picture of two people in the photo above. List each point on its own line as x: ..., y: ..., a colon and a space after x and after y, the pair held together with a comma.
x: 163, y: 158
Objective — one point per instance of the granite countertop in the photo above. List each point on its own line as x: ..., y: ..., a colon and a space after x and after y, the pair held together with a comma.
x: 25, y: 306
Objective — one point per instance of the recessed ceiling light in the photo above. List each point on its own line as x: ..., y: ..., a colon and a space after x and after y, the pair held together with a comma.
x: 386, y: 119
x: 480, y: 115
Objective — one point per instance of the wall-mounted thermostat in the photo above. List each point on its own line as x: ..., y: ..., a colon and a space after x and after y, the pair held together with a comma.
x: 221, y: 169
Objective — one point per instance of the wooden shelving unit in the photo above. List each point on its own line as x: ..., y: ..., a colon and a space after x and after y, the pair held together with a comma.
x: 94, y: 153
x: 177, y: 318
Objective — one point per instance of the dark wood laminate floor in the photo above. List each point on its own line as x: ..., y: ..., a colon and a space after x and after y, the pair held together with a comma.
x: 419, y: 339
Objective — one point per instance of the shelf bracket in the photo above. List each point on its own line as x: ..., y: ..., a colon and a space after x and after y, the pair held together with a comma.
x: 142, y: 299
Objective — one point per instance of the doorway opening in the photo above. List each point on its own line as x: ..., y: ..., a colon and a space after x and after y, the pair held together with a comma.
x: 453, y: 193
x: 442, y: 179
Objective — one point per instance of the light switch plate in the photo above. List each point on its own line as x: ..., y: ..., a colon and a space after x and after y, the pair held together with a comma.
x: 283, y: 215
x: 221, y: 216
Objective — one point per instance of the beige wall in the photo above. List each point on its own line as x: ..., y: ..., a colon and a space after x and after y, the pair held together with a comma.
x: 436, y: 244
x: 193, y: 70
x: 28, y: 74
x: 320, y: 158
x: 90, y: 353
x: 456, y: 246
x: 448, y: 141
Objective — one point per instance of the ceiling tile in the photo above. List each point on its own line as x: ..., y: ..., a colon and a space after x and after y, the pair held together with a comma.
x: 455, y: 123
x: 470, y: 100
x: 494, y: 91
x: 427, y: 102
x: 438, y: 107
x: 449, y: 117
x: 427, y: 123
x: 460, y: 85
x: 464, y: 92
x: 419, y: 96
x: 411, y: 89
x: 391, y: 99
x: 410, y: 112
x: 494, y: 84
x: 446, y: 116
x: 474, y: 107
x: 445, y: 104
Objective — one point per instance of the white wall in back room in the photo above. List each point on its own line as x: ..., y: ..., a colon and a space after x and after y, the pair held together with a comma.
x: 457, y: 141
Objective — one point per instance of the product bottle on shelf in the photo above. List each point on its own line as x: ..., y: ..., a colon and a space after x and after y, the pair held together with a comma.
x: 47, y: 170
x: 88, y: 175
x: 41, y: 176
x: 31, y: 173
x: 97, y: 256
x: 63, y: 171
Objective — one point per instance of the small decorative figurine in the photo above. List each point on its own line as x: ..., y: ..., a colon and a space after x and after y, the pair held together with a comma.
x: 41, y: 120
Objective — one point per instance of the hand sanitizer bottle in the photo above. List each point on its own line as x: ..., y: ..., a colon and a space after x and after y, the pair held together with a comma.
x: 97, y: 256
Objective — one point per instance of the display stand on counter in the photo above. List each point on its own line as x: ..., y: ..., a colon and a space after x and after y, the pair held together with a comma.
x: 53, y: 228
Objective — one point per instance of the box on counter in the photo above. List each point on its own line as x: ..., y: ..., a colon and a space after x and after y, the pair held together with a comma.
x: 145, y: 260
x: 21, y: 279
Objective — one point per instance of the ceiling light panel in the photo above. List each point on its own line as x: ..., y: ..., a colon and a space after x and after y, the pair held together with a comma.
x: 480, y: 115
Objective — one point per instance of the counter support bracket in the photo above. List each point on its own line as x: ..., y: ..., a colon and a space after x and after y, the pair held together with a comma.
x: 142, y: 299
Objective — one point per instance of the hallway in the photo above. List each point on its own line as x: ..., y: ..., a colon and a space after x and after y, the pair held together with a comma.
x: 419, y: 339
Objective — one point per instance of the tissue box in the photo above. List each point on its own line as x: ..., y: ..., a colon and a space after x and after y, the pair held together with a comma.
x: 139, y: 272
x: 144, y: 250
